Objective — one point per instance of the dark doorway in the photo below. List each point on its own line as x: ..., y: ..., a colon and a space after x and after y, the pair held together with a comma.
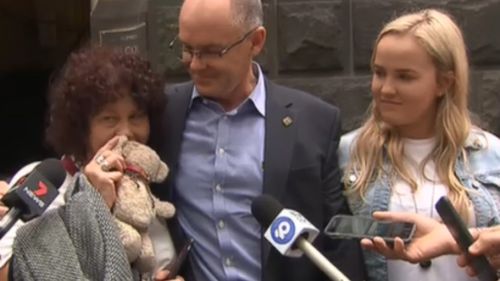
x: 37, y: 36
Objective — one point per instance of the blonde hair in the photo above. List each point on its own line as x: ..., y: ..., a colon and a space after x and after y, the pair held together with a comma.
x: 377, y: 141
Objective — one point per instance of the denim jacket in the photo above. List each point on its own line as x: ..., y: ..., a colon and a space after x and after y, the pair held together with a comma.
x: 481, y: 175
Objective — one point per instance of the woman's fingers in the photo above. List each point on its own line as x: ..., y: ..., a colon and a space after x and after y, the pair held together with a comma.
x: 112, y: 161
x: 394, y: 216
x: 108, y: 159
x: 470, y: 271
x: 162, y: 275
x: 104, y: 172
x: 384, y: 249
x: 494, y: 260
x: 487, y: 242
x: 105, y: 184
x: 4, y: 187
x: 3, y: 211
x: 367, y: 244
x: 378, y: 244
x: 108, y: 145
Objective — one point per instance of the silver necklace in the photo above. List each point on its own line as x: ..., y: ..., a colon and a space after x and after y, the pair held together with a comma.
x: 415, y: 207
x: 426, y: 264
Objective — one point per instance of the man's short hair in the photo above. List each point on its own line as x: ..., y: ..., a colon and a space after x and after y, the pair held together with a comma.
x: 247, y: 13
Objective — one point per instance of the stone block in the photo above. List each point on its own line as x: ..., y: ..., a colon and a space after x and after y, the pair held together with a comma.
x: 485, y: 99
x: 479, y: 22
x: 313, y: 36
x: 368, y: 18
x: 163, y: 27
x: 477, y: 19
x: 266, y: 56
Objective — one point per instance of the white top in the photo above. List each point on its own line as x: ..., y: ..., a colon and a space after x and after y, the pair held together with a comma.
x: 158, y: 232
x: 430, y: 189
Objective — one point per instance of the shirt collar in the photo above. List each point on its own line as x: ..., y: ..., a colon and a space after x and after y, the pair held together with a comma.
x: 258, y: 95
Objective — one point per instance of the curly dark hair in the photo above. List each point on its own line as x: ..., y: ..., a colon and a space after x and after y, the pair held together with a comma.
x: 91, y: 78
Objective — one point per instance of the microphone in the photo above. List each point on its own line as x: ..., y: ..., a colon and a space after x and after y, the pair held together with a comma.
x: 291, y: 234
x: 30, y: 196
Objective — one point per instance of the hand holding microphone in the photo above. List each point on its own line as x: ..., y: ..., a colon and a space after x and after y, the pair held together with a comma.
x: 291, y: 234
x: 4, y: 187
x: 31, y: 196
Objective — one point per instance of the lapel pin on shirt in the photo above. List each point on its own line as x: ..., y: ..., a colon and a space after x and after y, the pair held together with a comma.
x: 287, y: 121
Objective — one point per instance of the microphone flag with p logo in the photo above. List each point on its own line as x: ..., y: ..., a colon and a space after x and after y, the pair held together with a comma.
x: 286, y: 228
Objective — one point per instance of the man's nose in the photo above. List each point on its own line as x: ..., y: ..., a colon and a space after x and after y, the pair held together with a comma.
x: 196, y: 62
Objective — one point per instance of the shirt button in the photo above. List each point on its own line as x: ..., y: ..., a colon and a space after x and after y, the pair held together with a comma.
x: 228, y: 262
x: 218, y: 188
x: 221, y: 224
x: 221, y: 151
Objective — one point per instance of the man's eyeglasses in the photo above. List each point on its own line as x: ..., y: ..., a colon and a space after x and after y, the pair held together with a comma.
x: 187, y: 53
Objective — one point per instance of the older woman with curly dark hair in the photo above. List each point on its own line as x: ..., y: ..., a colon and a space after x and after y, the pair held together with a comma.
x: 91, y: 80
x: 101, y: 93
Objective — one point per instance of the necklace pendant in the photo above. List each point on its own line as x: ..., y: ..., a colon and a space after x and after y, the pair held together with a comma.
x: 425, y: 264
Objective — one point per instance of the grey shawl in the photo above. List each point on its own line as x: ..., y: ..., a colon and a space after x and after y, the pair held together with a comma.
x: 78, y: 241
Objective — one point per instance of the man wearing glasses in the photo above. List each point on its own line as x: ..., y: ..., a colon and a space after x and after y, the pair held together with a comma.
x: 234, y: 135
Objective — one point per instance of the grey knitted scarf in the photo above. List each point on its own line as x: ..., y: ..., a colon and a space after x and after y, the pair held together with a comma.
x: 78, y: 241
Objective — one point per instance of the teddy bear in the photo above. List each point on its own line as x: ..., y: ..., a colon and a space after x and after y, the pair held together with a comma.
x: 135, y: 206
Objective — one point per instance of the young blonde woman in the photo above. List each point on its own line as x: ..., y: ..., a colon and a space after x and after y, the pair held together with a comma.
x: 418, y: 142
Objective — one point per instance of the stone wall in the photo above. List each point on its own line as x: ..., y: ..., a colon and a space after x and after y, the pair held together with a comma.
x: 324, y: 47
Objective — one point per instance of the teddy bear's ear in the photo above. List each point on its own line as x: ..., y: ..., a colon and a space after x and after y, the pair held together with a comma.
x: 121, y: 143
x: 161, y: 173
